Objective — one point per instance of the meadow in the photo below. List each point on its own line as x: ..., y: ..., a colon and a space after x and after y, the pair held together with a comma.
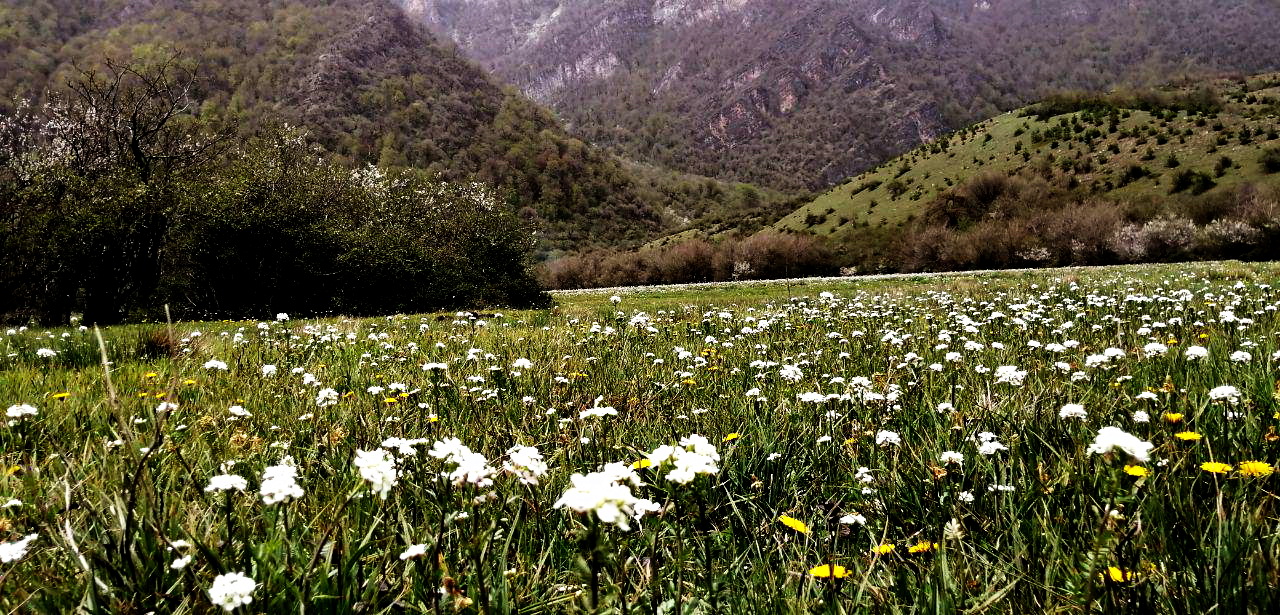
x: 1092, y: 440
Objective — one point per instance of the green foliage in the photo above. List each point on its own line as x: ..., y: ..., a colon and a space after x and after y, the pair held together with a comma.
x: 1270, y: 160
x: 113, y: 226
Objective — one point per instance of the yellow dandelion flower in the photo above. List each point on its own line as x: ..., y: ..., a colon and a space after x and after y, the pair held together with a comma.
x: 159, y: 394
x: 1173, y: 417
x: 733, y: 436
x: 1173, y: 341
x: 794, y: 524
x: 189, y: 381
x: 151, y: 375
x: 1215, y: 467
x: 1204, y: 336
x: 1118, y: 575
x: 1255, y: 468
x: 62, y: 395
x: 689, y: 382
x: 390, y: 400
x: 1187, y: 436
x: 924, y: 546
x: 642, y: 464
x: 142, y: 394
x: 825, y: 571
x: 884, y: 549
x: 1138, y: 471
x: 403, y: 394
x: 433, y: 419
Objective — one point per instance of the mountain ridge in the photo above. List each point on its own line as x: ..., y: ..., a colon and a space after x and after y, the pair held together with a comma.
x: 802, y: 95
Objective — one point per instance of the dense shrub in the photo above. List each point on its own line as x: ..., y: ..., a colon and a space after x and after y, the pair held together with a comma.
x: 116, y: 203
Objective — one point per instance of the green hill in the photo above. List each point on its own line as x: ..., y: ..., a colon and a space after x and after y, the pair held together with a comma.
x: 1122, y: 147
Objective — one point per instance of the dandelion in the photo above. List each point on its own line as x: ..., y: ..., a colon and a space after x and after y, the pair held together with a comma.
x: 883, y: 549
x: 1137, y: 471
x: 232, y: 590
x: 1173, y: 417
x: 1118, y: 575
x: 924, y: 546
x: 1188, y: 436
x: 826, y: 571
x: 379, y: 469
x: 1112, y: 438
x: 794, y: 524
x: 14, y: 551
x: 733, y: 436
x: 1255, y: 468
x: 1215, y: 467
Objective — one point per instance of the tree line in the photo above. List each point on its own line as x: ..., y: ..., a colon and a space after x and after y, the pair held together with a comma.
x: 119, y: 197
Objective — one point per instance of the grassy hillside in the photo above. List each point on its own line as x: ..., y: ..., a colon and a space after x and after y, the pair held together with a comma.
x: 1114, y: 148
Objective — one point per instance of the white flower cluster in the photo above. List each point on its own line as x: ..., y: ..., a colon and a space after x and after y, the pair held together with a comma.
x: 18, y: 412
x: 1112, y: 438
x: 469, y: 467
x: 1010, y: 374
x: 232, y: 590
x: 525, y: 462
x: 694, y: 456
x: 607, y: 494
x: 14, y: 551
x: 1226, y: 393
x: 378, y: 468
x: 1072, y: 411
x: 988, y: 444
x: 226, y: 482
x: 280, y: 482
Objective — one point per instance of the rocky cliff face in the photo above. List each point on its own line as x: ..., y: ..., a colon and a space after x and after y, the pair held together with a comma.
x: 829, y: 86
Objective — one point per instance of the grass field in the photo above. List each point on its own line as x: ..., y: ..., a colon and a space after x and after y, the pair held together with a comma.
x: 1063, y: 441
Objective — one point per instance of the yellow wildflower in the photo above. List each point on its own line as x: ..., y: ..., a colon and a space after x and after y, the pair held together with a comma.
x: 825, y: 572
x: 1173, y: 417
x: 794, y: 524
x: 924, y: 546
x: 1138, y: 471
x: 1256, y: 468
x: 641, y: 464
x: 733, y: 436
x: 1118, y: 575
x: 884, y: 549
x: 1187, y: 436
x: 62, y: 395
x: 1215, y: 467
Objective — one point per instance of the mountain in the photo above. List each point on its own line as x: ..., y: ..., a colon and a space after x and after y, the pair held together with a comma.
x: 800, y: 95
x: 366, y: 82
